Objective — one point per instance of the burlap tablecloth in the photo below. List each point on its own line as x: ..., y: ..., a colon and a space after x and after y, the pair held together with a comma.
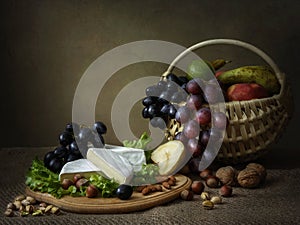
x: 277, y: 202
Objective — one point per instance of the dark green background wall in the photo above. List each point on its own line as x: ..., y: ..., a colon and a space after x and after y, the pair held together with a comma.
x: 47, y: 45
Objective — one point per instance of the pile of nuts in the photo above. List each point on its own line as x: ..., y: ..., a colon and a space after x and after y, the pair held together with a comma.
x: 27, y: 205
x: 224, y: 178
x: 147, y: 189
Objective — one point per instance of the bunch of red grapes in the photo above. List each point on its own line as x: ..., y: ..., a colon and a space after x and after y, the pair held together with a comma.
x: 187, y: 102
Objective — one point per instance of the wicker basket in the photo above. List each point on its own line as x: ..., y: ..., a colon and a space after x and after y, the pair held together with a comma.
x: 254, y: 125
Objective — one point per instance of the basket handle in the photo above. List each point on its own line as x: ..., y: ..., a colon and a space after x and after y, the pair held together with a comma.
x: 259, y: 52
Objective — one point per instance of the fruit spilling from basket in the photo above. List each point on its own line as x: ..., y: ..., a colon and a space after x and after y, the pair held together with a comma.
x: 182, y: 105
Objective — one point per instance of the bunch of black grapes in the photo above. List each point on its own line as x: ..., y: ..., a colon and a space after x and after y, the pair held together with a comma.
x: 186, y: 101
x: 69, y: 148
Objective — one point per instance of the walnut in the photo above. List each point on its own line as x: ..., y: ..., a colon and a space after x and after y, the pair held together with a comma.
x: 249, y: 178
x: 259, y: 169
x: 227, y: 175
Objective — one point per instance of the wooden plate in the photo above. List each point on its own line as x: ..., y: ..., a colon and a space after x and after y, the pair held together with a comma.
x: 137, y: 201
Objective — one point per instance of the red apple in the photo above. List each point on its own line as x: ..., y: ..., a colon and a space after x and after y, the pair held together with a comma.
x: 218, y: 73
x: 246, y: 91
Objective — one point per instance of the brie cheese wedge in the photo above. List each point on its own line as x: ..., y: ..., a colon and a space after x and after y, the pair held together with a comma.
x: 112, y: 164
x: 136, y: 157
x: 81, y: 166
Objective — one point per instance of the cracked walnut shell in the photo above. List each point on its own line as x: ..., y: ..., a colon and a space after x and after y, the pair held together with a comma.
x: 249, y: 178
x: 227, y: 175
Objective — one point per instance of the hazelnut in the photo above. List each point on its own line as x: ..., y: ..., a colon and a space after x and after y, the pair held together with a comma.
x: 204, y: 174
x: 227, y: 175
x: 249, y: 178
x: 207, y: 204
x: 66, y: 183
x: 91, y: 191
x: 197, y: 187
x: 187, y: 195
x: 260, y: 169
x: 81, y: 182
x: 226, y: 191
x: 185, y: 169
x: 76, y: 177
x: 212, y: 182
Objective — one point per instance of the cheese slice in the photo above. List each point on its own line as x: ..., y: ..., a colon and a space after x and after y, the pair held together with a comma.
x: 81, y: 166
x: 136, y: 157
x: 112, y: 164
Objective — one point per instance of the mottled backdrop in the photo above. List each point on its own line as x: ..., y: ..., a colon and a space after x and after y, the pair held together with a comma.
x: 47, y: 45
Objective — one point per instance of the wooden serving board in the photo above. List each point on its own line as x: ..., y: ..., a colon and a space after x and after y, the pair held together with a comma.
x: 137, y: 201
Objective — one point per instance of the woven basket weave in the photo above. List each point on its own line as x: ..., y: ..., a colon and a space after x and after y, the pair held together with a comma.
x: 254, y: 125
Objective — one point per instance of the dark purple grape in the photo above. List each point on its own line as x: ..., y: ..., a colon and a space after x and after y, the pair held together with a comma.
x: 194, y: 102
x: 55, y: 165
x: 181, y: 137
x: 48, y: 157
x: 194, y: 146
x: 173, y: 77
x: 65, y: 138
x: 166, y: 95
x: 204, y: 137
x: 101, y: 139
x: 183, y: 114
x: 158, y: 122
x: 145, y: 113
x: 72, y: 157
x: 96, y: 141
x: 85, y: 134
x: 212, y: 93
x: 60, y: 152
x: 165, y: 109
x: 124, y: 191
x: 179, y: 96
x: 183, y: 87
x: 194, y: 165
x: 183, y: 80
x: 153, y: 110
x: 219, y: 120
x: 153, y: 91
x: 73, y: 148
x: 72, y: 127
x: 162, y: 102
x: 149, y: 100
x: 171, y: 87
x: 162, y: 85
x: 100, y: 127
x: 191, y: 129
x: 193, y: 87
x: 172, y: 111
x: 203, y: 116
